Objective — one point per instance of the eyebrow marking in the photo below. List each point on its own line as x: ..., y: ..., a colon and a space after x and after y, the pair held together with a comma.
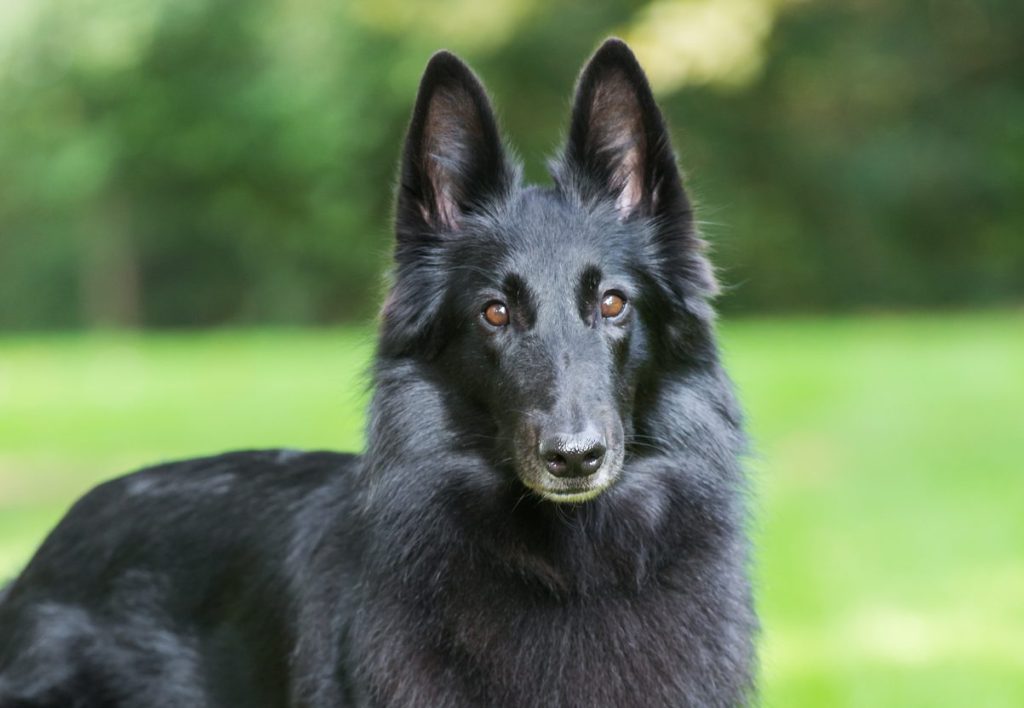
x: 586, y: 290
x: 524, y: 311
x: 590, y: 277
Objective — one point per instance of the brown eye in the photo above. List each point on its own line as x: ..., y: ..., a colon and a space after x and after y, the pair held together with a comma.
x: 496, y: 314
x: 612, y: 305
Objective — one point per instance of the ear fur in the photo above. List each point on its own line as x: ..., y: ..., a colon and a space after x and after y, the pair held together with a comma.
x: 453, y: 160
x: 617, y: 136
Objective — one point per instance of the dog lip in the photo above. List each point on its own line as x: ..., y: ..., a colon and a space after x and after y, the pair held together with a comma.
x: 572, y: 498
x: 574, y: 490
x: 573, y: 495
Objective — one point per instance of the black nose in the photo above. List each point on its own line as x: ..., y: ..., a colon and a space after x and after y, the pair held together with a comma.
x: 573, y: 455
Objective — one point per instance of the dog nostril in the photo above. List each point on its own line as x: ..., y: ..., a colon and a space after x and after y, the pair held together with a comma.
x: 572, y: 455
x: 592, y: 460
x: 556, y: 464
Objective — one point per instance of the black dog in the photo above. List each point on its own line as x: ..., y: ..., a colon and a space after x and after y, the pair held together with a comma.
x: 550, y: 511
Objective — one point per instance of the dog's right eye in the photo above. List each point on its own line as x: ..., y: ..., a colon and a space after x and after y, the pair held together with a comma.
x: 612, y: 304
x: 496, y: 314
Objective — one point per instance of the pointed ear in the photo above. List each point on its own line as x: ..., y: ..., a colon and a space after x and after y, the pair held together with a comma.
x: 619, y: 152
x: 618, y: 143
x: 453, y: 159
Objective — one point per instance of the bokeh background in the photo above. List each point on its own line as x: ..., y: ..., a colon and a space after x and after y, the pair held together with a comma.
x: 194, y: 217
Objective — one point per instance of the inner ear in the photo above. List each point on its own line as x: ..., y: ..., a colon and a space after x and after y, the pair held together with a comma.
x: 450, y: 132
x: 616, y: 135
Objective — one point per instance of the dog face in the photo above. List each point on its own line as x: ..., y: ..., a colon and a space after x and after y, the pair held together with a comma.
x: 550, y: 341
x: 549, y: 310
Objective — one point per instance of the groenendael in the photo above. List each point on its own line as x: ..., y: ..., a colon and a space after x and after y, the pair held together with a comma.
x: 549, y: 511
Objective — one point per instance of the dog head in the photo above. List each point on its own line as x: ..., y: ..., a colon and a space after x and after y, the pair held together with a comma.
x: 549, y: 312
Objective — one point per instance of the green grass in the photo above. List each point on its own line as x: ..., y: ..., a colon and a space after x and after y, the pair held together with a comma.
x: 889, y: 472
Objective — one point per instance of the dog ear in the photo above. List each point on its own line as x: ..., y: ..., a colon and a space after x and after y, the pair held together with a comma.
x: 453, y: 159
x: 453, y: 163
x: 619, y: 152
x: 618, y: 144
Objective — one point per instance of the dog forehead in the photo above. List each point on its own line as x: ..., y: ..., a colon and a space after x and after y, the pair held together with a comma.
x: 552, y: 238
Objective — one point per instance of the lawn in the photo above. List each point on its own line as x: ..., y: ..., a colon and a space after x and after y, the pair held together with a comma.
x: 889, y: 473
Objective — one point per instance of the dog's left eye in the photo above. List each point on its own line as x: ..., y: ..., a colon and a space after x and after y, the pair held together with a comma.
x: 496, y: 314
x: 612, y: 304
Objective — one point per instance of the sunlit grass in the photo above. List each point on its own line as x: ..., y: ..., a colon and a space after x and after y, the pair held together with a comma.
x: 891, y: 487
x: 889, y: 466
x: 77, y: 409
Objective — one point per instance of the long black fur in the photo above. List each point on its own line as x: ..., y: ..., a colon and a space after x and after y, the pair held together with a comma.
x: 441, y: 568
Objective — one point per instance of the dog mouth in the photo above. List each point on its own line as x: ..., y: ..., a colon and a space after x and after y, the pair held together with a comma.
x: 576, y: 494
x: 536, y: 476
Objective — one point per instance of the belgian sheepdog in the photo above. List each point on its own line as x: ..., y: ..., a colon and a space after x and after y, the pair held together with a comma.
x: 550, y: 508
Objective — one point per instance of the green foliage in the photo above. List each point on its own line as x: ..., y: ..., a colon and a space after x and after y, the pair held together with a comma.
x: 887, y: 472
x: 183, y: 162
x: 877, y: 161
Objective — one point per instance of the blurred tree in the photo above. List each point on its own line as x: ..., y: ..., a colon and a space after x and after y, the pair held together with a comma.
x: 877, y: 160
x: 196, y: 162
